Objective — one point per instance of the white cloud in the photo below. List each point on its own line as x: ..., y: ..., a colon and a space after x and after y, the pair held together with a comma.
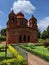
x: 23, y: 6
x: 44, y: 23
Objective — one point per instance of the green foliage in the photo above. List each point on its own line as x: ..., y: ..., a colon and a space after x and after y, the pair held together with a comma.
x: 3, y: 32
x: 17, y: 62
x: 20, y: 59
x: 26, y: 45
x: 46, y: 43
x: 2, y: 38
x: 39, y: 33
x: 48, y: 48
x: 45, y: 33
x: 13, y: 62
x: 31, y: 45
x: 48, y: 32
x: 40, y: 40
x: 16, y: 58
x: 39, y: 51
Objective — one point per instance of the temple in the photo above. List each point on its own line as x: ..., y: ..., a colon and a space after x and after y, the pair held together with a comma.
x: 18, y: 30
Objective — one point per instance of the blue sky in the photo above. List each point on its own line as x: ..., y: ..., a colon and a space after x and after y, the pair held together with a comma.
x: 38, y: 8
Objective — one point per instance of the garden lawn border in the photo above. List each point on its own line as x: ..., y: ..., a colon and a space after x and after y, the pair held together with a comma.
x: 35, y: 52
x: 15, y: 53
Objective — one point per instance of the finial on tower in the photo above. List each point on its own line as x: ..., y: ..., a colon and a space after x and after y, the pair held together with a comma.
x: 12, y: 11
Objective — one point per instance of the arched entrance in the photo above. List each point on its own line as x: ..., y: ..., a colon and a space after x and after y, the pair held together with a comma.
x: 20, y: 38
x: 28, y: 38
x: 24, y: 38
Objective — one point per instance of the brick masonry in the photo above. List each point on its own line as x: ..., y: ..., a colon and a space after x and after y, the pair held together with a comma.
x: 18, y: 30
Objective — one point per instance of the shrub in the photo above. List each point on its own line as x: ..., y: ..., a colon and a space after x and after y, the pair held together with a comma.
x: 26, y: 45
x: 37, y: 52
x: 2, y: 38
x: 31, y: 45
x: 48, y: 48
x: 20, y: 60
x: 38, y: 44
x: 46, y: 43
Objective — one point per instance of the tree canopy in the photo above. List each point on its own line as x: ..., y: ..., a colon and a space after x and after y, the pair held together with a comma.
x: 45, y: 33
x: 3, y: 32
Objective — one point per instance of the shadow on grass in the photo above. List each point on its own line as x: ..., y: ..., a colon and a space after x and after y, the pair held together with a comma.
x: 2, y: 58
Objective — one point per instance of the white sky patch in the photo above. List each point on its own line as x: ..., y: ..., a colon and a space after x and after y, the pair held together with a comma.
x: 23, y: 6
x: 44, y: 23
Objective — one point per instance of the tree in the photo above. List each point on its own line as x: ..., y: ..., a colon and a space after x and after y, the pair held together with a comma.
x: 44, y: 34
x: 39, y: 33
x: 3, y: 32
x: 48, y: 32
x: 46, y: 43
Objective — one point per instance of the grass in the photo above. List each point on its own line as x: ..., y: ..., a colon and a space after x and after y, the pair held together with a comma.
x: 21, y: 60
x: 7, y: 61
x: 40, y: 51
x: 13, y: 57
x: 2, y: 55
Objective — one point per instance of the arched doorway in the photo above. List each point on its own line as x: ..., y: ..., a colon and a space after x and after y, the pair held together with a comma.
x: 24, y: 38
x: 20, y: 38
x: 28, y: 38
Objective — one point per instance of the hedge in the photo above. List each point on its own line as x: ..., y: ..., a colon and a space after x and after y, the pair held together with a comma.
x: 2, y: 38
x: 21, y: 60
x: 36, y: 52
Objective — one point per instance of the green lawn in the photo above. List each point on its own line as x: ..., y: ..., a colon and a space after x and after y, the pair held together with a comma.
x: 40, y: 51
x: 2, y: 55
x: 13, y: 57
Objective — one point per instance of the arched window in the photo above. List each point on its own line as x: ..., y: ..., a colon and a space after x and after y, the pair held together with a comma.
x: 28, y: 38
x: 16, y: 20
x: 34, y: 23
x: 20, y: 38
x: 22, y: 22
x: 12, y: 20
x: 24, y: 38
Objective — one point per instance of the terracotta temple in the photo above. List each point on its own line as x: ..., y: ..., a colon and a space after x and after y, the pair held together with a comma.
x: 18, y: 30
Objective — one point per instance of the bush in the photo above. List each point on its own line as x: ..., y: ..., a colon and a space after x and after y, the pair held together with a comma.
x: 2, y: 38
x: 20, y: 60
x: 31, y: 45
x: 25, y: 45
x: 48, y: 48
x: 37, y: 52
x: 46, y: 43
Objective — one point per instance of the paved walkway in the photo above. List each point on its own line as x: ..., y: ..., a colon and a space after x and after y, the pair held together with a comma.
x: 34, y: 60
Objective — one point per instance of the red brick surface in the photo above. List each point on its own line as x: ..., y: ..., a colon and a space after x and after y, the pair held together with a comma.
x: 17, y: 25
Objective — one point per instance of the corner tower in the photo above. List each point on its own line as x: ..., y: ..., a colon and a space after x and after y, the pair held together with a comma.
x: 33, y: 22
x: 33, y: 25
x: 11, y: 20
